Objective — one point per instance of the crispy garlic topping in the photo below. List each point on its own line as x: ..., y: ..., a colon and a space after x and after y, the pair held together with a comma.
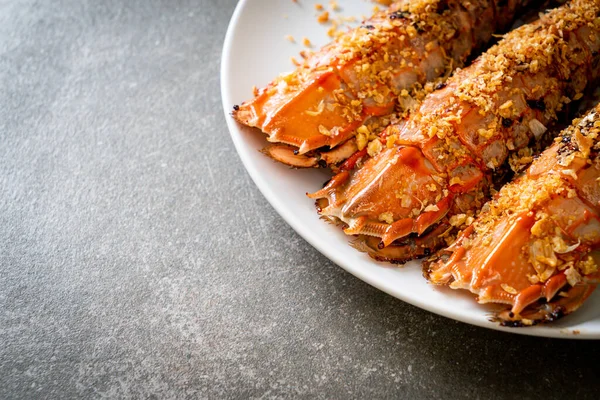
x: 554, y: 176
x: 398, y: 56
x: 518, y: 86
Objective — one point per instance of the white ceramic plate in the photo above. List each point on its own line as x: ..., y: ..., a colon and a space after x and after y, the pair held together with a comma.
x: 255, y: 51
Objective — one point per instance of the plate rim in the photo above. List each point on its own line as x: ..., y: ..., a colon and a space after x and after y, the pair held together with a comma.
x: 234, y: 129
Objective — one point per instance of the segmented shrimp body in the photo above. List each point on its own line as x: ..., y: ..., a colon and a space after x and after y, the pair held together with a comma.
x: 536, y: 240
x: 434, y: 171
x: 369, y: 76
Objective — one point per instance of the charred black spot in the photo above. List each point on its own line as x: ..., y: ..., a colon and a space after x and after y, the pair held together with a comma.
x: 399, y: 14
x: 569, y: 90
x: 236, y: 107
x: 322, y: 164
x: 537, y: 104
x: 563, y: 150
x: 507, y: 122
x: 567, y: 145
x: 440, y: 86
x: 442, y: 6
x: 557, y: 313
x: 512, y: 324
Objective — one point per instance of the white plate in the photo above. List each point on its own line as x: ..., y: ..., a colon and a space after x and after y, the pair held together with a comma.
x: 254, y: 52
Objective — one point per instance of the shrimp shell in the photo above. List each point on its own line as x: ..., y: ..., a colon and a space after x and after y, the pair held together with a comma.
x: 440, y: 165
x: 535, y: 247
x: 367, y: 74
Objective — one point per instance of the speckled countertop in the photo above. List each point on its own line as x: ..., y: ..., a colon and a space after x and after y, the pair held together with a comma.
x: 138, y: 259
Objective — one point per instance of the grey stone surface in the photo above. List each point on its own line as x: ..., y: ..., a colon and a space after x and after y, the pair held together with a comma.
x: 137, y: 258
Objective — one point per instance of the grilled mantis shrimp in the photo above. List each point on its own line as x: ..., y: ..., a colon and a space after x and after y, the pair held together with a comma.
x: 434, y: 171
x: 532, y: 248
x: 369, y: 76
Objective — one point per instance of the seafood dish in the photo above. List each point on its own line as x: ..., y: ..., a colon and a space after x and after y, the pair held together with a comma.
x: 419, y: 139
x: 437, y: 168
x: 535, y: 246
x: 366, y: 78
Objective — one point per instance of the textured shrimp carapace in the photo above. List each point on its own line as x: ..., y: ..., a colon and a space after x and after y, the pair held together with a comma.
x: 370, y: 76
x: 535, y: 245
x: 440, y: 164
